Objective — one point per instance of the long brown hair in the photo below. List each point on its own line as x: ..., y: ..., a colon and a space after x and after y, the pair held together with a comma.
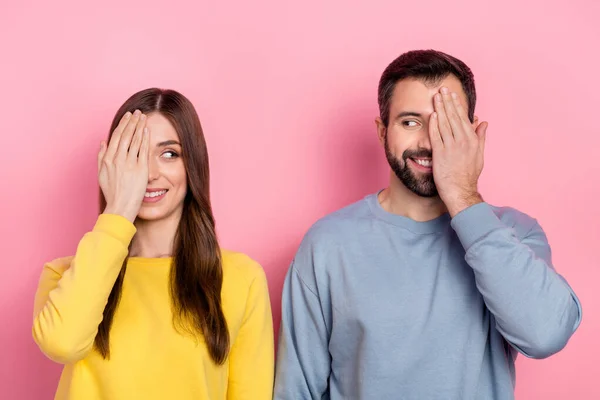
x: 197, y: 275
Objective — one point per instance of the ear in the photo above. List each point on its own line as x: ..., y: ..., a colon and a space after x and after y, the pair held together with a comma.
x: 381, y: 130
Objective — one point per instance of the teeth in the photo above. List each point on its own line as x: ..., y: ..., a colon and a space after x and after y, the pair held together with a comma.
x: 425, y: 163
x: 155, y: 194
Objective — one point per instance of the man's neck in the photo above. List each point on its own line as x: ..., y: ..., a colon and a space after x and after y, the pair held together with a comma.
x: 155, y: 239
x: 398, y: 199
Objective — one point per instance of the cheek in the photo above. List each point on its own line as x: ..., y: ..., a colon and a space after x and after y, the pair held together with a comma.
x: 181, y: 177
x: 398, y: 141
x: 176, y: 175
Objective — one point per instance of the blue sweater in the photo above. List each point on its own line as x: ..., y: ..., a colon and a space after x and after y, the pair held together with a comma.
x: 378, y: 306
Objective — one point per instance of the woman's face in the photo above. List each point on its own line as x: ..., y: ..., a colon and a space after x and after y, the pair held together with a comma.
x: 167, y: 180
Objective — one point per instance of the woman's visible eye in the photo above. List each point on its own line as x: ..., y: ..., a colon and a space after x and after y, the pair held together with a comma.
x: 169, y: 154
x: 410, y: 123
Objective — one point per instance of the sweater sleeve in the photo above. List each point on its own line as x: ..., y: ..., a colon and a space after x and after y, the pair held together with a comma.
x: 252, y: 356
x: 71, y: 296
x: 303, y: 360
x: 535, y: 309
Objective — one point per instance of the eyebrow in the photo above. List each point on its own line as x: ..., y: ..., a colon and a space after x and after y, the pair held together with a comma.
x: 408, y: 114
x: 168, y: 143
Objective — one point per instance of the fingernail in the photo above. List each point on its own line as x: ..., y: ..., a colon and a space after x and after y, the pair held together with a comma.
x: 434, y: 115
x: 143, y: 116
x: 454, y: 95
x: 438, y: 97
x: 137, y: 112
x: 146, y: 131
x: 445, y: 90
x: 127, y: 115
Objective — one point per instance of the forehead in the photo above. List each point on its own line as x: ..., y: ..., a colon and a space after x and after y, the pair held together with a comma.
x: 415, y: 95
x: 160, y: 128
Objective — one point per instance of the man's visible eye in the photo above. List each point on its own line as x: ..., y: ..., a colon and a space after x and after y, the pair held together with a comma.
x: 410, y: 123
x: 169, y: 154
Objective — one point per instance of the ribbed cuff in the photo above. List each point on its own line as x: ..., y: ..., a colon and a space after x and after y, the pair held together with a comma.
x: 475, y: 222
x: 116, y: 226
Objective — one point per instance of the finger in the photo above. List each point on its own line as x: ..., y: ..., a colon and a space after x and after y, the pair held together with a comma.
x: 434, y: 132
x: 101, y: 154
x: 116, y: 136
x: 145, y: 147
x: 482, y: 133
x: 452, y: 115
x: 127, y: 135
x: 442, y: 120
x: 475, y: 122
x: 462, y: 114
x: 136, y: 141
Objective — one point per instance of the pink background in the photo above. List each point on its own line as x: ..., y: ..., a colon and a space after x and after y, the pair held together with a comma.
x: 287, y: 96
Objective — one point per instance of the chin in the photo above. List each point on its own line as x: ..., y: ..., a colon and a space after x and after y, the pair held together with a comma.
x: 157, y: 213
x: 152, y: 215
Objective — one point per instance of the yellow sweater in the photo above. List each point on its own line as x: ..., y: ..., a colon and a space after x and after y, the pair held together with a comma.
x: 149, y: 358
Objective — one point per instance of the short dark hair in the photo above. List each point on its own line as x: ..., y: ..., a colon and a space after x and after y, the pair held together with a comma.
x: 431, y: 66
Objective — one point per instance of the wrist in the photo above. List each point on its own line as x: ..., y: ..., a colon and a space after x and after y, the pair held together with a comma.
x: 128, y: 215
x: 461, y: 201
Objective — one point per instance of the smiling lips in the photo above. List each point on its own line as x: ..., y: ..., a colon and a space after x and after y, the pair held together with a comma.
x: 423, y: 164
x: 154, y: 195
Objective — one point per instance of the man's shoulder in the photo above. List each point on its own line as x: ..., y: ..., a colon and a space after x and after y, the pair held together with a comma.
x: 340, y: 223
x: 334, y: 230
x: 327, y: 236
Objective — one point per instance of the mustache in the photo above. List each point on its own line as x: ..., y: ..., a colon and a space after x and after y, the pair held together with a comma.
x: 418, y: 153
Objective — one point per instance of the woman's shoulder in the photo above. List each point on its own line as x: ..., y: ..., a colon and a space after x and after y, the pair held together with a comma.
x: 59, y: 265
x: 238, y: 265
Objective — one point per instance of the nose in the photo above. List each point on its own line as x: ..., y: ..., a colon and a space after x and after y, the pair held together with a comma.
x: 424, y: 139
x: 153, y: 169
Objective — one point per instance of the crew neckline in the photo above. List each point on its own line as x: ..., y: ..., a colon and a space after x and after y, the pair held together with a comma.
x: 149, y: 261
x: 438, y: 224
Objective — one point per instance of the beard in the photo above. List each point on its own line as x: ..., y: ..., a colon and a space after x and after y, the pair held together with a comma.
x: 422, y: 184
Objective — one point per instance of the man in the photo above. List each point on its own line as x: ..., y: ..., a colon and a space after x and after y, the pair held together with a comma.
x: 423, y: 290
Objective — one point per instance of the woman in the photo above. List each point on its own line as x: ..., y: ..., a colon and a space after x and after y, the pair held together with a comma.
x: 150, y: 307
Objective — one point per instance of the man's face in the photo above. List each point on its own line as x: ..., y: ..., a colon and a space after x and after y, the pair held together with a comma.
x: 406, y: 138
